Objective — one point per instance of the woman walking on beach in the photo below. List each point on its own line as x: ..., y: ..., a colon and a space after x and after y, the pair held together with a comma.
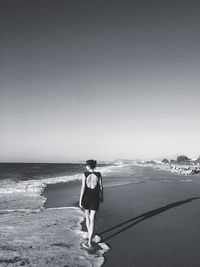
x: 90, y: 197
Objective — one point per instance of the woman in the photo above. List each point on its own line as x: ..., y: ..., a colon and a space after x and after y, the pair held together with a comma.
x: 91, y: 196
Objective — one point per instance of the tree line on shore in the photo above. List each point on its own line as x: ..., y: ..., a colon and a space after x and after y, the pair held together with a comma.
x: 182, y: 159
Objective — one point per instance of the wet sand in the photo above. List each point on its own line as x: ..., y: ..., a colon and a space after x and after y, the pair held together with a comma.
x: 152, y: 223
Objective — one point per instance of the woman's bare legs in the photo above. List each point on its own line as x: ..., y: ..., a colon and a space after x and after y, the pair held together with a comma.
x: 90, y: 222
x: 87, y: 217
x: 91, y: 226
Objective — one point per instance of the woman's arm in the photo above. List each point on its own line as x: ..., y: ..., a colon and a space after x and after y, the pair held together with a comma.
x: 101, y: 189
x: 82, y: 191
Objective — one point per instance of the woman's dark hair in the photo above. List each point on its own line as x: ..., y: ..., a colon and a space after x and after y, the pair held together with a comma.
x: 91, y: 163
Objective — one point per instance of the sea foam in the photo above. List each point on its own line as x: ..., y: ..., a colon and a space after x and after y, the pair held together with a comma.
x: 22, y: 203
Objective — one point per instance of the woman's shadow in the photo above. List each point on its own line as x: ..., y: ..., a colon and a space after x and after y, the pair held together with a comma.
x: 142, y: 217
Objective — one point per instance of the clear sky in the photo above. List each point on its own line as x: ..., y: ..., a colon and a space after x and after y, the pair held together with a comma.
x: 99, y: 79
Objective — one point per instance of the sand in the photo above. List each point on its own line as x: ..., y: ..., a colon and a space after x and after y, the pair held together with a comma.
x: 153, y: 223
x: 31, y: 235
x: 50, y: 237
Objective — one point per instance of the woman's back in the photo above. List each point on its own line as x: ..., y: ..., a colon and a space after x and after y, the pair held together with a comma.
x: 92, y: 179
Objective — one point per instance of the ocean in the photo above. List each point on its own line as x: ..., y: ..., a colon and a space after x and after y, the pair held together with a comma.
x: 29, y: 171
x: 18, y: 179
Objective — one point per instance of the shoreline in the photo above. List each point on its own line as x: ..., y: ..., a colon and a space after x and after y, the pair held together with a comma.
x: 148, y: 223
x: 130, y: 193
x: 29, y: 229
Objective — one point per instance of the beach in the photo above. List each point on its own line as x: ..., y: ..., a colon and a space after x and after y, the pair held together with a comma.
x: 32, y: 235
x: 150, y: 219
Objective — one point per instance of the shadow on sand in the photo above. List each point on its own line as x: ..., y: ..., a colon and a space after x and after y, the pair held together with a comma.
x: 144, y: 216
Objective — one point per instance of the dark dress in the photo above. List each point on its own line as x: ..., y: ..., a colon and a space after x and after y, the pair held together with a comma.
x: 91, y: 197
